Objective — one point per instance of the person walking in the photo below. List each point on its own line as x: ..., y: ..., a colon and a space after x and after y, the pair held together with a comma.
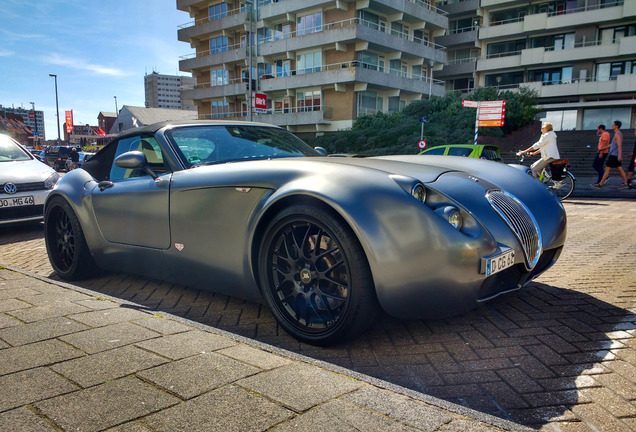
x: 615, y: 157
x: 74, y: 158
x: 547, y: 146
x: 601, y: 151
x: 630, y: 168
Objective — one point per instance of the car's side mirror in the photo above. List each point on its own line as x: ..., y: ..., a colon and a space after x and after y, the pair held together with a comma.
x: 134, y: 160
x: 321, y: 150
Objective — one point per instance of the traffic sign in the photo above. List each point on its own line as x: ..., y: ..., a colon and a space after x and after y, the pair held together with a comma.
x: 470, y: 104
x: 421, y: 144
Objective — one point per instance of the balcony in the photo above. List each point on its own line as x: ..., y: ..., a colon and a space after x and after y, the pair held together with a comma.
x: 465, y: 36
x: 196, y: 29
x: 354, y: 72
x: 570, y: 18
x: 549, y: 55
x: 291, y: 116
x: 457, y: 68
x: 458, y: 7
x: 205, y: 59
x: 411, y: 10
x: 582, y: 87
x: 206, y: 91
x: 352, y: 30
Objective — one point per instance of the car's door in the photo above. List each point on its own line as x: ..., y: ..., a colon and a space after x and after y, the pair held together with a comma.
x: 131, y: 207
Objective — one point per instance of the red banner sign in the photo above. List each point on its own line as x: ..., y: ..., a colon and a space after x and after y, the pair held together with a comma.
x: 69, y: 121
x: 260, y: 102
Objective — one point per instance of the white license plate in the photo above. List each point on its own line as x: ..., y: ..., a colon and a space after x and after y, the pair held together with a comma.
x: 500, y: 262
x: 17, y: 201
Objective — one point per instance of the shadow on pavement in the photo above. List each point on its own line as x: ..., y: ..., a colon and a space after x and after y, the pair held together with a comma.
x: 542, y: 354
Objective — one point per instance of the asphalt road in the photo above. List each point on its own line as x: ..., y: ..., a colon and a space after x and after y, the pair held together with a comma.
x: 558, y: 355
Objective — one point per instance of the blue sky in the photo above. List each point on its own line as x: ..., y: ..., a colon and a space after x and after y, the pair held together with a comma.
x: 97, y: 49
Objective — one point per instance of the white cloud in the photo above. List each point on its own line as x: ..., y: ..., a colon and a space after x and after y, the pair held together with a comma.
x: 59, y: 60
x: 6, y: 53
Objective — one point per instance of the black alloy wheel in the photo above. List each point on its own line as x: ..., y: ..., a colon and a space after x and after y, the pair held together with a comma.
x: 315, y: 277
x: 65, y: 242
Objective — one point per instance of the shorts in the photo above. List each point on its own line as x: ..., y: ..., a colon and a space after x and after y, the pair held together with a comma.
x: 631, y: 163
x: 613, y: 162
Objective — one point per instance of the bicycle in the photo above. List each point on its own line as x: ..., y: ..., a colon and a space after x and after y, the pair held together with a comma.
x: 558, y: 178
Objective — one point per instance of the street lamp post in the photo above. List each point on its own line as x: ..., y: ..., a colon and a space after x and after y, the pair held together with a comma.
x: 116, y: 109
x: 430, y: 83
x: 57, y: 107
x: 249, y: 66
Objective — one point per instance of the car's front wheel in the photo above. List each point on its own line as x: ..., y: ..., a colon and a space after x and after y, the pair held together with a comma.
x: 65, y: 243
x: 315, y: 277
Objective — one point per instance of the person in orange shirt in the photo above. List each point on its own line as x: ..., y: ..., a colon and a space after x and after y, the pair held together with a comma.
x: 601, y: 152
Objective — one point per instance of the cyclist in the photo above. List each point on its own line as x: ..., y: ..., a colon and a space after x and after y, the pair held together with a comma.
x: 547, y: 146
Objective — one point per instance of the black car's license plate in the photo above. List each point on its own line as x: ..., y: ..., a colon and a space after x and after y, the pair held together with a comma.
x: 17, y: 201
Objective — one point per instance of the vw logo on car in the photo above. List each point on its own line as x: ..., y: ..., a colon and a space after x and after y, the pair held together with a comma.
x: 10, y: 188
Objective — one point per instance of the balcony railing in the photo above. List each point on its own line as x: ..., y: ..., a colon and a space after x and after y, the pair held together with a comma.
x: 327, y: 112
x: 349, y: 23
x: 553, y: 48
x: 563, y: 12
x: 423, y: 3
x: 207, y: 19
x: 316, y: 69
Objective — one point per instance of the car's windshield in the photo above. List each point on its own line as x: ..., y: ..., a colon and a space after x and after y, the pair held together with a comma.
x: 213, y: 144
x: 10, y: 151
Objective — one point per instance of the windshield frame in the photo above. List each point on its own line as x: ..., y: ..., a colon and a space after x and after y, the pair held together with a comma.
x: 226, y: 143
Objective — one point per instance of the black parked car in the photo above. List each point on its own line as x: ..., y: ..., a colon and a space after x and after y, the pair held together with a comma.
x: 56, y: 157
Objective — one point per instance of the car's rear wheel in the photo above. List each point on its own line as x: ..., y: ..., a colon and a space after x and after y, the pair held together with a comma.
x: 65, y: 243
x: 315, y: 277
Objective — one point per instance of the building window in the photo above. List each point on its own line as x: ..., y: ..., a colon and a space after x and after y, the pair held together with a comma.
x: 610, y: 71
x: 282, y: 68
x: 282, y: 31
x: 504, y: 79
x: 308, y: 63
x: 552, y: 76
x: 217, y: 11
x: 308, y: 101
x: 219, y: 109
x: 219, y: 77
x: 218, y: 44
x: 307, y: 24
x: 368, y: 60
x: 368, y: 103
x: 507, y: 48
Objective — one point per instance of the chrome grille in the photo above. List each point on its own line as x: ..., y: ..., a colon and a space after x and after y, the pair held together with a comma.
x: 25, y: 187
x: 521, y: 222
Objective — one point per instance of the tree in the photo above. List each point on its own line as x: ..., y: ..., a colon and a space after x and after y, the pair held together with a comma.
x: 447, y: 123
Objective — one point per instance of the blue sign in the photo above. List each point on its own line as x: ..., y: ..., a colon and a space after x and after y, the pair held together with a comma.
x: 423, y: 120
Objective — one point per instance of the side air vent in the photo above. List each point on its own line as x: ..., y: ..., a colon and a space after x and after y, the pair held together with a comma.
x: 520, y: 221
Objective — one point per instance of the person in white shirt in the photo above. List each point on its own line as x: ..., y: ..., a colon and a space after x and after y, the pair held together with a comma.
x: 547, y: 146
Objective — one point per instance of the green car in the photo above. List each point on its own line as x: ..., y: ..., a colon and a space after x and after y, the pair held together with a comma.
x: 489, y: 152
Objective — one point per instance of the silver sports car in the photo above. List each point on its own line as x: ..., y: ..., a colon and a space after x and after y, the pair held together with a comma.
x: 249, y: 210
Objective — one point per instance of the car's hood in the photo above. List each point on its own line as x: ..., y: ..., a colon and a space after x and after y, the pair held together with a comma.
x: 426, y: 168
x: 30, y: 171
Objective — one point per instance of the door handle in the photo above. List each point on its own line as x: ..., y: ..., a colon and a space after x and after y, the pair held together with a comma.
x: 103, y: 185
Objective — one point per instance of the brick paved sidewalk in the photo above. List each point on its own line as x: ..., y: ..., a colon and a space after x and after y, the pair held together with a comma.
x: 76, y: 361
x: 559, y: 355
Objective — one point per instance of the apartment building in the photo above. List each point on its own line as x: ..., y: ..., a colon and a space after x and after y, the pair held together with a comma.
x: 579, y: 55
x: 318, y: 63
x: 164, y: 91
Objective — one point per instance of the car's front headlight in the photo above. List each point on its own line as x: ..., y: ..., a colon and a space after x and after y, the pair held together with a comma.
x: 455, y: 218
x: 411, y: 186
x: 51, y: 181
x: 418, y: 191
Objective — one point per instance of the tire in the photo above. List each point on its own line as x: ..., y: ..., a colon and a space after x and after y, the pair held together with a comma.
x: 65, y: 243
x: 315, y: 277
x: 566, y: 186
